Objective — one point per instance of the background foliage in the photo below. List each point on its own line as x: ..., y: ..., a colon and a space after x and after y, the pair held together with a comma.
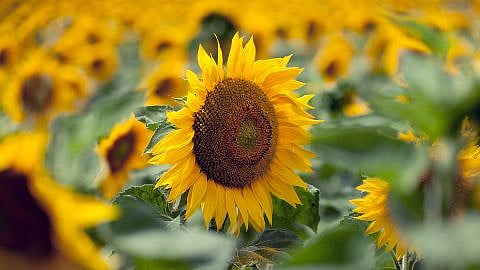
x: 377, y: 70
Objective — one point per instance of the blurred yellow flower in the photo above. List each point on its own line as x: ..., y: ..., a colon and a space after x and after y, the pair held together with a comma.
x: 121, y: 152
x: 100, y: 61
x: 160, y: 41
x: 38, y: 90
x: 353, y: 105
x: 238, y: 138
x: 374, y: 208
x: 334, y: 57
x: 386, y: 45
x: 165, y: 82
x: 38, y: 229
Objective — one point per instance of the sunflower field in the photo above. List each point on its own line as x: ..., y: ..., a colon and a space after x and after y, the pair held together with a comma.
x: 217, y: 134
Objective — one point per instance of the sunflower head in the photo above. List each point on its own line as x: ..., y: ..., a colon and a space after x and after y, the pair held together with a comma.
x: 334, y: 58
x: 38, y: 89
x: 238, y: 138
x: 121, y: 152
x: 38, y: 229
x: 100, y: 61
x: 164, y: 83
x: 374, y: 208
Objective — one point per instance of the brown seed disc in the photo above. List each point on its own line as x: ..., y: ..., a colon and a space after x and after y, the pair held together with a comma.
x: 120, y: 151
x: 236, y: 132
x: 25, y: 228
x: 37, y: 92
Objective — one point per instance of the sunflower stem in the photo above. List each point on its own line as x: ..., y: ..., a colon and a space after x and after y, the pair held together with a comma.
x: 404, y: 262
x: 397, y: 265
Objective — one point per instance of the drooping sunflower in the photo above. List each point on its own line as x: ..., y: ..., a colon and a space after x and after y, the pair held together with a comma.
x: 374, y: 208
x: 121, y: 152
x: 238, y: 138
x: 37, y: 90
x: 43, y: 223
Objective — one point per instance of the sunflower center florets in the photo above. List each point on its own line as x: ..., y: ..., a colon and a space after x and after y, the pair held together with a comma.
x: 164, y: 86
x: 37, y: 92
x: 120, y: 151
x: 236, y: 132
x: 25, y: 228
x: 247, y: 135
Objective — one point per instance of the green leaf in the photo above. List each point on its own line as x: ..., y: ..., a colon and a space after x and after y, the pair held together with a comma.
x: 149, y: 194
x: 304, y: 215
x: 364, y: 144
x: 162, y: 130
x: 448, y: 244
x: 437, y: 103
x: 267, y: 249
x: 276, y: 238
x: 141, y: 232
x: 71, y: 157
x: 153, y: 116
x: 109, y: 108
x: 344, y: 245
x: 145, y: 264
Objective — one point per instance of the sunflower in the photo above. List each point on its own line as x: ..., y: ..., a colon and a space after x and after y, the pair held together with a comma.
x: 38, y: 229
x: 374, y: 208
x: 333, y: 60
x: 121, y: 152
x: 9, y: 50
x: 100, y: 61
x: 238, y: 138
x: 354, y: 105
x: 37, y: 90
x: 164, y: 83
x: 158, y: 42
x: 384, y: 48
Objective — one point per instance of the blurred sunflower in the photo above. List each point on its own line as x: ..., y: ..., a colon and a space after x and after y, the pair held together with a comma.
x: 38, y: 229
x: 374, y: 208
x: 238, y: 138
x: 9, y: 51
x: 37, y: 90
x: 334, y: 57
x: 354, y: 105
x: 385, y: 46
x: 100, y: 61
x: 121, y: 152
x: 157, y: 42
x: 164, y: 83
x: 87, y: 29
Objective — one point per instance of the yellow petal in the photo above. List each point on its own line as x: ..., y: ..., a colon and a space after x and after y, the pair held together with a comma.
x: 221, y: 211
x: 254, y: 209
x: 198, y: 194
x: 175, y: 139
x: 210, y: 202
x: 172, y: 156
x: 285, y: 174
x: 234, y: 57
x: 231, y: 207
x: 281, y: 76
x: 220, y: 61
x: 193, y: 80
x: 291, y: 160
x: 241, y: 205
x: 283, y: 191
x: 263, y: 197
